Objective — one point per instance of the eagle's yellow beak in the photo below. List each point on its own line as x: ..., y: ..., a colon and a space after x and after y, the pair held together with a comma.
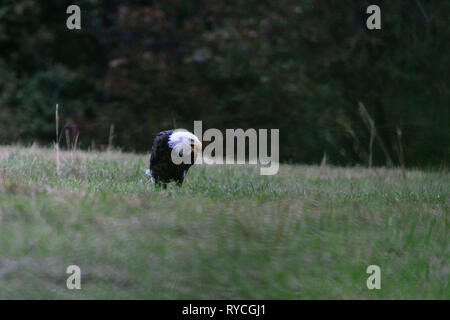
x: 196, y: 147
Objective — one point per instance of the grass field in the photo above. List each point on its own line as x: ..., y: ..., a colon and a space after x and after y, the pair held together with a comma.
x: 308, y: 232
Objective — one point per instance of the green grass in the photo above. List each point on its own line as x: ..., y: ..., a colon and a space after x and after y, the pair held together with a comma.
x: 228, y: 233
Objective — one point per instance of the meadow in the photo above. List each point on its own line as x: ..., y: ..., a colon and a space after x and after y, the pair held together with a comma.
x: 308, y: 232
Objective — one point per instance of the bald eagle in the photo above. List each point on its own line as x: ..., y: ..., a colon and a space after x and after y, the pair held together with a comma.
x: 162, y: 169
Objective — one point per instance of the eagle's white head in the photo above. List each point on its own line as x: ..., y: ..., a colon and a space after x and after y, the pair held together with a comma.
x: 184, y: 141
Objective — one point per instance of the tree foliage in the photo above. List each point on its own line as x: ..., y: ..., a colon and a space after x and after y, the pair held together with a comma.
x: 301, y: 66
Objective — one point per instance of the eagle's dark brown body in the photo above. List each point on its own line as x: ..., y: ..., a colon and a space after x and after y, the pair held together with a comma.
x: 163, y: 170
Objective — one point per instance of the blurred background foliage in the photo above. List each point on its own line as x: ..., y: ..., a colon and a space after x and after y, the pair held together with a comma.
x: 309, y: 68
